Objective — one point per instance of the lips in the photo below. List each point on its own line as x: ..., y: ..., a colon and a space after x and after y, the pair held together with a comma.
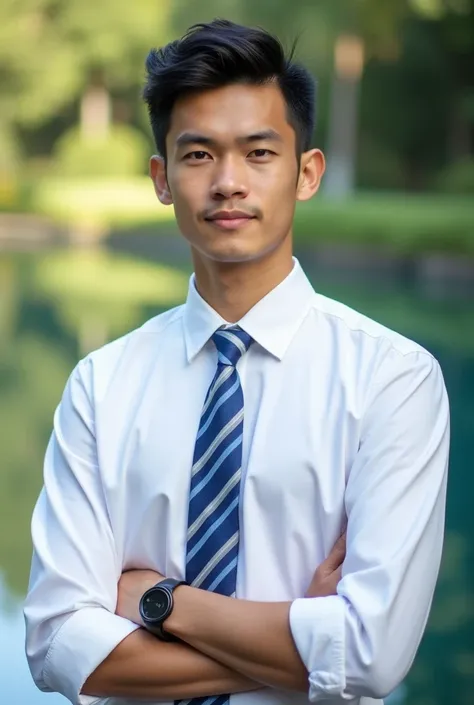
x: 230, y: 220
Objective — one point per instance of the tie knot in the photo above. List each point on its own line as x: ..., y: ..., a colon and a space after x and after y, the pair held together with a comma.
x: 231, y: 344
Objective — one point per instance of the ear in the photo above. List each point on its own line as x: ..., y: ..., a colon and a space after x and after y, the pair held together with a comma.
x: 160, y: 182
x: 312, y: 169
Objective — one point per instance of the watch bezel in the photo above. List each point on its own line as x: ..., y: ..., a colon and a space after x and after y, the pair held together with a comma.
x: 156, y: 621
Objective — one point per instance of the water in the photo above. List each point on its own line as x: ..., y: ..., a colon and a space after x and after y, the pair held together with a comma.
x: 55, y: 306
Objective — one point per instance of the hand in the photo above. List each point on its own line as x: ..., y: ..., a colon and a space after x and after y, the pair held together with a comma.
x: 328, y: 574
x: 131, y: 587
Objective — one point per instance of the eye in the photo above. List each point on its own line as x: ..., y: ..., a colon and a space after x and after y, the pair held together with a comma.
x: 197, y: 156
x: 259, y: 153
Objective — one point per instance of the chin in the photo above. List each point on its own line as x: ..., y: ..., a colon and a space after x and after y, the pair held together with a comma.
x: 233, y: 255
x: 234, y: 250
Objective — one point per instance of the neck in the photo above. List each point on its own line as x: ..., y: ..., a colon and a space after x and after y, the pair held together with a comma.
x: 232, y: 289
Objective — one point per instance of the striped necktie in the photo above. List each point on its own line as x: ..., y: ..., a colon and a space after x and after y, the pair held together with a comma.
x: 213, y: 520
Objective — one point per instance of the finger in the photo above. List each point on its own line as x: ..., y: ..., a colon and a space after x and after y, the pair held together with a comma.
x: 337, y: 554
x: 335, y: 579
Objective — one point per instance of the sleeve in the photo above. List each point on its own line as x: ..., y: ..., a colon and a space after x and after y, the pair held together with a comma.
x: 71, y: 625
x: 362, y: 641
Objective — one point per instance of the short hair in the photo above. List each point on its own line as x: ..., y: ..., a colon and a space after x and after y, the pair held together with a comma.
x: 222, y: 53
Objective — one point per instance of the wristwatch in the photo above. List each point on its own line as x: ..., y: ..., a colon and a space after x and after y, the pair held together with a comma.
x: 156, y: 605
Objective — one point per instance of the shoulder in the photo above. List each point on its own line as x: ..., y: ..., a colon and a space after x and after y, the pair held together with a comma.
x: 369, y: 355
x: 349, y: 324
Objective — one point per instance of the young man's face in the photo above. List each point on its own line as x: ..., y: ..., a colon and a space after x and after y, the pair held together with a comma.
x: 232, y: 172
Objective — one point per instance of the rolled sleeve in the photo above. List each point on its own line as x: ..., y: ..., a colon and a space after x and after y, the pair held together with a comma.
x: 71, y: 625
x: 362, y: 641
x: 79, y: 646
x: 322, y: 647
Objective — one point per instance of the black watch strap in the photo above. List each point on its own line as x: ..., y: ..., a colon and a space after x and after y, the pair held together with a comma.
x: 171, y: 583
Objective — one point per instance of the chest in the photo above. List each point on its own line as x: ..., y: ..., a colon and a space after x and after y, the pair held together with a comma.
x: 301, y: 434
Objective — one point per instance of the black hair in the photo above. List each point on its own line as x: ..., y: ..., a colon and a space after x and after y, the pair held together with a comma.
x: 218, y: 54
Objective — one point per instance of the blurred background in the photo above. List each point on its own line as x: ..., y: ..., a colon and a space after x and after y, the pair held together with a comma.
x: 87, y: 253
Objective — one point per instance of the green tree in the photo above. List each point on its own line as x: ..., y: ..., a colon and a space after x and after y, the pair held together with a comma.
x: 54, y: 53
x: 334, y: 40
x: 414, y: 108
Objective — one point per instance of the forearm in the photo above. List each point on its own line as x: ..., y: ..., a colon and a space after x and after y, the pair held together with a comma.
x: 252, y: 638
x: 143, y: 667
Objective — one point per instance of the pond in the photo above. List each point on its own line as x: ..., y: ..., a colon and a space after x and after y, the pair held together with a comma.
x: 56, y: 305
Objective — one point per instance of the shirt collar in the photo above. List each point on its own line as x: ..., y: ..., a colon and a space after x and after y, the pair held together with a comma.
x: 272, y: 322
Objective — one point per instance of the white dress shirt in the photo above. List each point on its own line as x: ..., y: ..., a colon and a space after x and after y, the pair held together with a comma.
x: 342, y: 417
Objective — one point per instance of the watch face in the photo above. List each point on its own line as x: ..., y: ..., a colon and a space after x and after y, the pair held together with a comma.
x: 155, y: 605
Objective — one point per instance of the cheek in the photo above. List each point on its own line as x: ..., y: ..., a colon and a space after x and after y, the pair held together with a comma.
x: 187, y: 196
x: 276, y: 180
x: 185, y: 181
x: 278, y: 194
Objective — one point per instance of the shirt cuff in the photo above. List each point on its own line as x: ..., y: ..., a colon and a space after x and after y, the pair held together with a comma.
x: 317, y: 626
x: 79, y: 646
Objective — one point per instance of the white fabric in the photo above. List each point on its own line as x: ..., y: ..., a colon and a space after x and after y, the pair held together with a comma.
x: 342, y: 416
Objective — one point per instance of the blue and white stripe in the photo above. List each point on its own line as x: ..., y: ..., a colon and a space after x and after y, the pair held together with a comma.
x: 213, y: 519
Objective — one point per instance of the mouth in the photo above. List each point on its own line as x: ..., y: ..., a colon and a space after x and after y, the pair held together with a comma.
x: 230, y: 220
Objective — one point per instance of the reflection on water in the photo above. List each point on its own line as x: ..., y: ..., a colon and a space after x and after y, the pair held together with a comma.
x: 56, y: 306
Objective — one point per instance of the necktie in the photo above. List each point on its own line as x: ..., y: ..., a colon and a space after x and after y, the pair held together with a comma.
x: 213, y: 519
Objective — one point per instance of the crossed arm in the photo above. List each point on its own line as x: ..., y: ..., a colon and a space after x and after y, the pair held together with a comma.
x: 227, y: 645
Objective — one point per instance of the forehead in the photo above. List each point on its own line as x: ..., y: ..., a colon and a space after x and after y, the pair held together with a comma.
x: 232, y: 111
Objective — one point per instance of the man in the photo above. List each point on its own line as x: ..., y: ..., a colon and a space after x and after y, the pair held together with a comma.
x: 227, y: 442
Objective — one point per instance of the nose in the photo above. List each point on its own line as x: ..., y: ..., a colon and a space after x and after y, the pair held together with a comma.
x: 229, y: 180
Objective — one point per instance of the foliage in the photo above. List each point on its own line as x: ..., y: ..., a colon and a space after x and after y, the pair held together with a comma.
x: 50, y: 49
x: 98, y: 201
x: 410, y: 117
x: 401, y: 223
x: 458, y: 178
x: 417, y: 85
x: 316, y: 23
x: 416, y: 99
x: 122, y: 152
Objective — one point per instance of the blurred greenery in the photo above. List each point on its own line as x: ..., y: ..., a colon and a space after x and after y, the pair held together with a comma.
x: 458, y: 177
x: 65, y: 64
x: 111, y: 201
x: 405, y: 224
x: 417, y: 87
x: 74, y: 134
x: 51, y: 50
x: 97, y: 297
x: 123, y: 152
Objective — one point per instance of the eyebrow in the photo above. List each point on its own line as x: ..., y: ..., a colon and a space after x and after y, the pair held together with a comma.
x: 189, y: 138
